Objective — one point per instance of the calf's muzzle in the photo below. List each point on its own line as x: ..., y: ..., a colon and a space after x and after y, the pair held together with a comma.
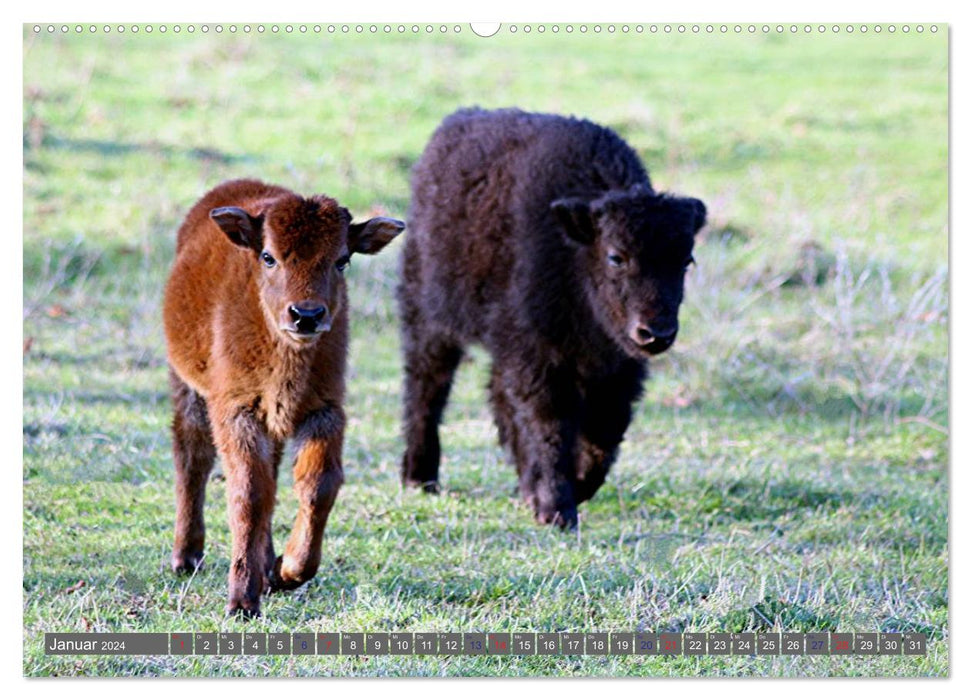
x: 309, y: 319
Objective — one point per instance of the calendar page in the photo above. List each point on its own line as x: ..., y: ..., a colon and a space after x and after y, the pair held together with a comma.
x: 510, y: 350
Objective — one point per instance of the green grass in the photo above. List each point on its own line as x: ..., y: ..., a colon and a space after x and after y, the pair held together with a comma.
x: 786, y: 469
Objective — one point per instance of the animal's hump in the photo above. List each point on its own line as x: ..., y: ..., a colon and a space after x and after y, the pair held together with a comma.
x: 550, y: 141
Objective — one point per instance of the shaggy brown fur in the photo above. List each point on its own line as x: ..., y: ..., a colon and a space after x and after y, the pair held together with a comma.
x: 256, y: 323
x: 540, y: 238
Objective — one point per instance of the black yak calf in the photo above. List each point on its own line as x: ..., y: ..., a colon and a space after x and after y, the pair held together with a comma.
x: 541, y: 238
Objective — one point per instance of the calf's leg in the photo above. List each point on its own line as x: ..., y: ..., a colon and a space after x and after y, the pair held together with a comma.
x: 543, y: 411
x: 248, y: 455
x: 502, y: 410
x: 194, y: 453
x: 269, y: 556
x: 605, y: 417
x: 430, y: 365
x: 593, y: 463
x: 317, y: 476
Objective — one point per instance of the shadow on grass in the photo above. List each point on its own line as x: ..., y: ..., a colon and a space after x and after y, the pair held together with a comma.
x: 128, y: 358
x: 771, y: 614
x: 442, y: 588
x: 897, y: 624
x: 739, y: 500
x: 62, y: 264
x: 155, y: 148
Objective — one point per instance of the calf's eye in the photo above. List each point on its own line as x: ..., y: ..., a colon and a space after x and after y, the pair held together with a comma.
x: 342, y: 263
x: 615, y: 259
x: 689, y: 262
x: 267, y: 259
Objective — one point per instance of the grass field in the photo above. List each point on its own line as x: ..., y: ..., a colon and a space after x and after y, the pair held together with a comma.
x: 787, y: 468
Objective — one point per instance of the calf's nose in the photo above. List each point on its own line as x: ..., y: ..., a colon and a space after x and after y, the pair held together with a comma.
x: 643, y: 333
x: 662, y: 331
x: 307, y: 319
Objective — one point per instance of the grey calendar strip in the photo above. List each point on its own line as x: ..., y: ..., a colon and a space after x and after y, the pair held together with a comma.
x: 488, y: 644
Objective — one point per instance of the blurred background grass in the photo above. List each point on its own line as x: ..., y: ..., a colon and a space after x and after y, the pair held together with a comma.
x: 788, y: 462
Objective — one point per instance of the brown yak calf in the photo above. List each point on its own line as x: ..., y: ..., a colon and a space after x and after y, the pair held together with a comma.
x: 256, y: 323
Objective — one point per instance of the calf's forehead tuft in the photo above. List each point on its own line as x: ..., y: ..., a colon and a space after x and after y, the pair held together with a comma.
x: 640, y: 215
x: 306, y: 227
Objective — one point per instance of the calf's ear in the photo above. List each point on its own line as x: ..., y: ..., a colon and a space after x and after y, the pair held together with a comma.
x: 241, y: 228
x: 699, y: 211
x: 372, y: 235
x: 573, y: 214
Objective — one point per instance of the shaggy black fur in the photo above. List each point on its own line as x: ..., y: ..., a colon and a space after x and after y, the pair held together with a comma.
x: 541, y: 238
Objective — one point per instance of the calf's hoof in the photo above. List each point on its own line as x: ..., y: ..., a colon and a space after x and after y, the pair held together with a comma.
x: 564, y: 517
x: 185, y: 563
x: 426, y: 486
x: 243, y: 610
x: 287, y: 576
